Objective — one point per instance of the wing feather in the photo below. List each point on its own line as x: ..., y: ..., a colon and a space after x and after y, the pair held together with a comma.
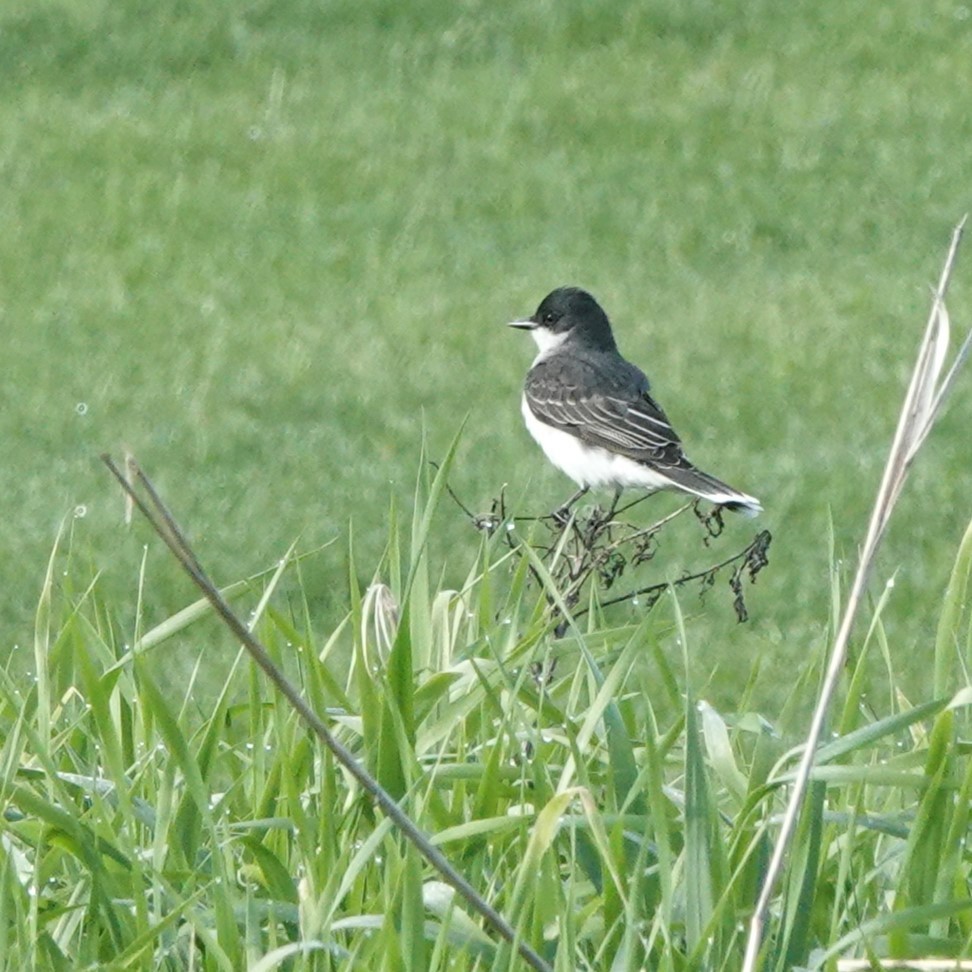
x: 627, y: 420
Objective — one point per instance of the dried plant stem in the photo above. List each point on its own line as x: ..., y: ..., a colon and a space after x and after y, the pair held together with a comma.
x: 756, y: 548
x: 164, y: 524
x: 921, y: 406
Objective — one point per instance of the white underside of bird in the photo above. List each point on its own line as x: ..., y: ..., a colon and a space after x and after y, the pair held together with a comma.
x: 593, y: 466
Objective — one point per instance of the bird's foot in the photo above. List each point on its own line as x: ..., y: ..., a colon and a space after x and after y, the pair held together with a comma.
x: 614, y: 505
x: 561, y: 516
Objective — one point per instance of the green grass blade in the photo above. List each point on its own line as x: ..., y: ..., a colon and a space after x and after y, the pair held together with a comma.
x: 947, y: 646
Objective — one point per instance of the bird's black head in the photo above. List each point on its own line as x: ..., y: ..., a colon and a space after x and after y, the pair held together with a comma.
x: 569, y: 313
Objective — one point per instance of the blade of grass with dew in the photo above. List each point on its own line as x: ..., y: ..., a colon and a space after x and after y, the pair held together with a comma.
x: 493, y: 679
x: 894, y: 925
x: 275, y: 876
x: 748, y: 842
x: 860, y: 673
x: 490, y: 787
x: 704, y: 866
x: 412, y: 922
x: 544, y: 832
x: 111, y: 716
x: 423, y: 524
x: 614, y: 853
x: 622, y: 754
x: 845, y: 891
x: 187, y: 616
x: 440, y: 899
x: 65, y: 834
x: 924, y: 849
x: 658, y: 804
x: 278, y: 956
x: 365, y: 689
x: 701, y: 854
x: 796, y: 920
x: 951, y: 879
x: 42, y: 647
x: 320, y: 683
x: 396, y: 727
x: 631, y: 955
x: 176, y: 623
x: 341, y: 880
x: 947, y: 648
x: 865, y: 737
x: 416, y: 598
x: 624, y: 772
x: 193, y: 813
x: 212, y: 736
x: 718, y: 748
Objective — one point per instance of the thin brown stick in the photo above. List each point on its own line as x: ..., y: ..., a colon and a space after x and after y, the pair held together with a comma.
x: 168, y: 529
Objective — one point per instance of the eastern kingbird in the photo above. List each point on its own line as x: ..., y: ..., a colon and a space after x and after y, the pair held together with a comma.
x: 592, y: 413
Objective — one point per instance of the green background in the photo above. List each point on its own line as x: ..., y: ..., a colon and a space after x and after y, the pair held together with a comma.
x: 264, y: 245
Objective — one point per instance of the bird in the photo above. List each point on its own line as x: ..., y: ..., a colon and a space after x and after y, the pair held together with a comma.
x: 593, y: 414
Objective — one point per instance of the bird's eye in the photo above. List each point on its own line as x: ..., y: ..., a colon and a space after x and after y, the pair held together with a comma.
x: 549, y: 317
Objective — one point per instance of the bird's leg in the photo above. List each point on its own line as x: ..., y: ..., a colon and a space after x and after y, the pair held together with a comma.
x: 600, y: 519
x: 562, y: 513
x: 614, y: 504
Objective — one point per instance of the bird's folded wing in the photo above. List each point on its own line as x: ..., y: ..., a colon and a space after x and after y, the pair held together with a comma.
x: 634, y: 427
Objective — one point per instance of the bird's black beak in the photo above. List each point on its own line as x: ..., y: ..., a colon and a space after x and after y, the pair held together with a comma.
x: 526, y: 325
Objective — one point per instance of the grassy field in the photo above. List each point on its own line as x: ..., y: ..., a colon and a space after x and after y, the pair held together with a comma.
x: 594, y: 809
x: 265, y: 245
x: 269, y: 247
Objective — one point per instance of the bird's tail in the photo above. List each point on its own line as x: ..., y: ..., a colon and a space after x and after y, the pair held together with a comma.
x: 697, y: 483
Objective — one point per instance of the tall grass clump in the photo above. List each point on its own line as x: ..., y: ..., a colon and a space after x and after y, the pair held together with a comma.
x: 514, y: 730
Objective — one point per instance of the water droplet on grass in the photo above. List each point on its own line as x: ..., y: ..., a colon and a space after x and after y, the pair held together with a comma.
x: 81, y: 408
x: 80, y: 511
